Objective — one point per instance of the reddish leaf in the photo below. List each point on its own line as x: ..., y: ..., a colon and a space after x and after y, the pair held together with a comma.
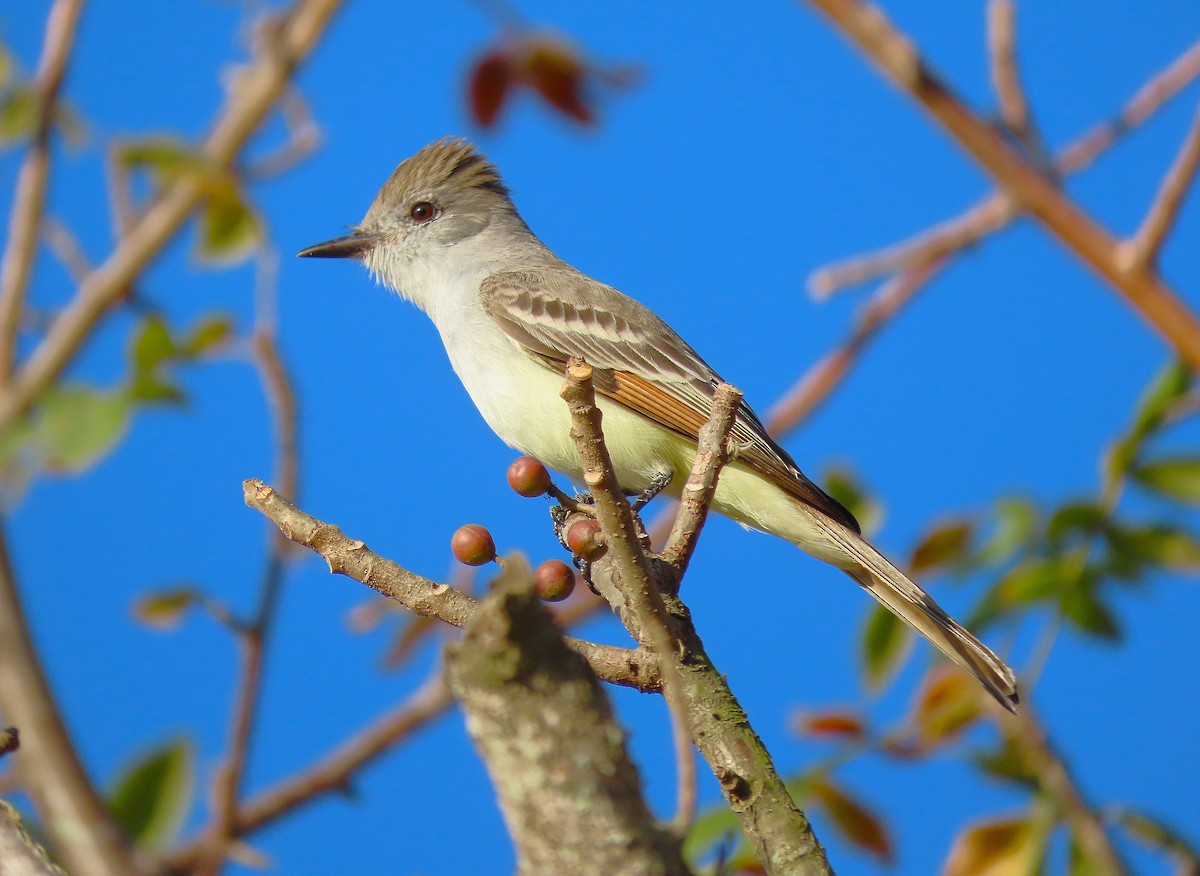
x: 946, y: 705
x: 490, y: 81
x: 859, y: 826
x: 994, y: 848
x: 556, y: 72
x: 842, y: 724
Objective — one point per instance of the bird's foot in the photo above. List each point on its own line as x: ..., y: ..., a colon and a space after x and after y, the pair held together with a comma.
x: 657, y: 485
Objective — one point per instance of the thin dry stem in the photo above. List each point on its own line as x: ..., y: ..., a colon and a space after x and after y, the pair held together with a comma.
x: 817, y: 383
x: 29, y: 199
x: 1002, y: 45
x: 254, y: 636
x: 1027, y: 734
x: 1142, y: 252
x: 1036, y: 193
x: 334, y: 772
x: 65, y: 246
x: 712, y: 452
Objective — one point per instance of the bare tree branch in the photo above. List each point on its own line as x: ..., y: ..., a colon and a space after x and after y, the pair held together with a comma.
x: 1142, y: 251
x: 997, y: 210
x: 817, y: 383
x: 355, y: 560
x: 866, y: 26
x: 29, y: 199
x: 48, y: 765
x: 569, y: 793
x: 297, y: 31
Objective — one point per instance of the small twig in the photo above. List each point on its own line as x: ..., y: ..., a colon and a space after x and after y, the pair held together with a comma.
x: 355, y: 560
x: 254, y: 636
x: 1141, y: 253
x: 637, y: 582
x: 65, y: 246
x: 818, y: 382
x: 898, y: 59
x: 966, y: 229
x: 304, y: 138
x: 1024, y: 731
x: 1002, y: 45
x: 29, y: 198
x: 712, y: 452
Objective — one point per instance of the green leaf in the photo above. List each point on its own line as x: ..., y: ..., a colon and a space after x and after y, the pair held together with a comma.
x: 208, y: 334
x: 152, y: 344
x: 165, y: 609
x: 1168, y: 385
x: 1033, y: 580
x: 1154, y: 833
x: 1083, y: 608
x: 154, y: 793
x: 164, y: 156
x: 1177, y: 477
x: 886, y: 642
x: 1160, y: 544
x: 713, y: 826
x: 844, y: 487
x: 1016, y: 520
x: 18, y: 115
x: 78, y: 425
x: 1007, y: 763
x: 153, y: 389
x: 1084, y: 518
x: 7, y: 66
x: 229, y: 229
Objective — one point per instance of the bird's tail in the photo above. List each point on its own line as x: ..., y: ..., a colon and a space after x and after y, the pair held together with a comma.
x: 917, y: 609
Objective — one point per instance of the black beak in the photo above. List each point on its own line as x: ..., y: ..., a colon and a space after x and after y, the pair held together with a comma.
x: 349, y: 246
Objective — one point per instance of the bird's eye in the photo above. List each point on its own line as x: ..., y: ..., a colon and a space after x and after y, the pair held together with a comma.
x: 422, y: 211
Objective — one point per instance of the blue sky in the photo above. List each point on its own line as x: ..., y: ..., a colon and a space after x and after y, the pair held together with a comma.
x: 757, y: 147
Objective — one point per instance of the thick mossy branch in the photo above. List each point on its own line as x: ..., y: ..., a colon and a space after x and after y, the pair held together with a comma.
x: 569, y: 793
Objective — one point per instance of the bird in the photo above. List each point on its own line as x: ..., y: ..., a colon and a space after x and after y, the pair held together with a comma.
x: 443, y: 233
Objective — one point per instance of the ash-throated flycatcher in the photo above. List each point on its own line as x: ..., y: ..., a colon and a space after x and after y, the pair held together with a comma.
x: 443, y: 232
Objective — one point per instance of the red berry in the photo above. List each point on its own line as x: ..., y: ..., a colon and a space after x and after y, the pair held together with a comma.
x: 583, y: 539
x: 528, y: 477
x: 554, y: 580
x: 473, y: 545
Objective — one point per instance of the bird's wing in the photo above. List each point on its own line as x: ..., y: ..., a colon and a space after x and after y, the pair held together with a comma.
x: 639, y: 362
